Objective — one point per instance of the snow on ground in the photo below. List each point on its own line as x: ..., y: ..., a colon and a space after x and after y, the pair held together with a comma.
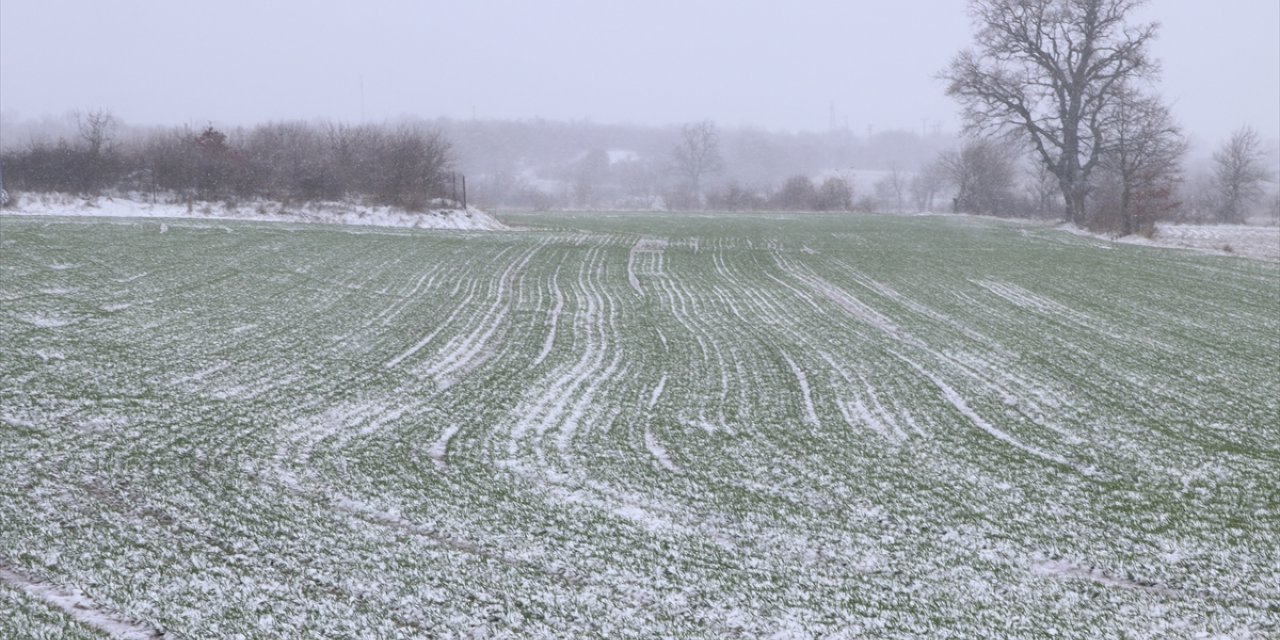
x: 1248, y: 241
x: 640, y: 425
x: 79, y: 607
x: 1258, y: 242
x: 322, y: 212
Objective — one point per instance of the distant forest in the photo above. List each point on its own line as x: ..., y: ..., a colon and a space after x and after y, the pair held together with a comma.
x: 543, y: 164
x: 522, y: 164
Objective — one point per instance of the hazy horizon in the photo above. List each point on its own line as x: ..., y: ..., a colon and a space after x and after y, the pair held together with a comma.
x: 798, y: 68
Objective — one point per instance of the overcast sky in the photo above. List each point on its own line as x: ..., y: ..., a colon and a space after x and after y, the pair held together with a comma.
x: 779, y: 65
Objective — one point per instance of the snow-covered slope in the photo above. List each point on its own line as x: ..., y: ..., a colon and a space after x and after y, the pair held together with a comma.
x: 1249, y: 241
x: 324, y: 212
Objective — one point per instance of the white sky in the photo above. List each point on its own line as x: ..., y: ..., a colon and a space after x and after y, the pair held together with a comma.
x: 780, y: 65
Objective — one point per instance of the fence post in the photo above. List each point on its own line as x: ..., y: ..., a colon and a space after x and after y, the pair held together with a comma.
x: 464, y: 192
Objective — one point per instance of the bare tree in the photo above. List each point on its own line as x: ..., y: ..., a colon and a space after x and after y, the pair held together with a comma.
x: 1239, y: 171
x: 212, y: 162
x: 697, y: 154
x: 834, y: 194
x: 1143, y: 158
x: 415, y: 167
x: 1049, y: 71
x: 926, y: 184
x: 982, y: 173
x: 735, y: 197
x: 891, y: 189
x: 97, y: 129
x: 797, y: 194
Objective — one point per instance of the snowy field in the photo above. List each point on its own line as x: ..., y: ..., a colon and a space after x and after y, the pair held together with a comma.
x: 343, y: 213
x: 633, y: 425
x: 1261, y: 242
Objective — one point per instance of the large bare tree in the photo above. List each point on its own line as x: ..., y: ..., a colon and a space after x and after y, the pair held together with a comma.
x: 1049, y: 70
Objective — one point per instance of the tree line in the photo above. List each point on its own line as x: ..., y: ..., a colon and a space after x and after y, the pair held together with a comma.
x: 405, y: 166
x: 1057, y: 96
x: 1136, y: 179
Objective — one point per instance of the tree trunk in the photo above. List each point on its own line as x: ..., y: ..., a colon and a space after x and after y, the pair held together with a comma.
x: 1076, y: 209
x: 1128, y: 221
x: 1073, y: 193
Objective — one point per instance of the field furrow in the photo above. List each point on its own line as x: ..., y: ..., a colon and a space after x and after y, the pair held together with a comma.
x: 633, y: 425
